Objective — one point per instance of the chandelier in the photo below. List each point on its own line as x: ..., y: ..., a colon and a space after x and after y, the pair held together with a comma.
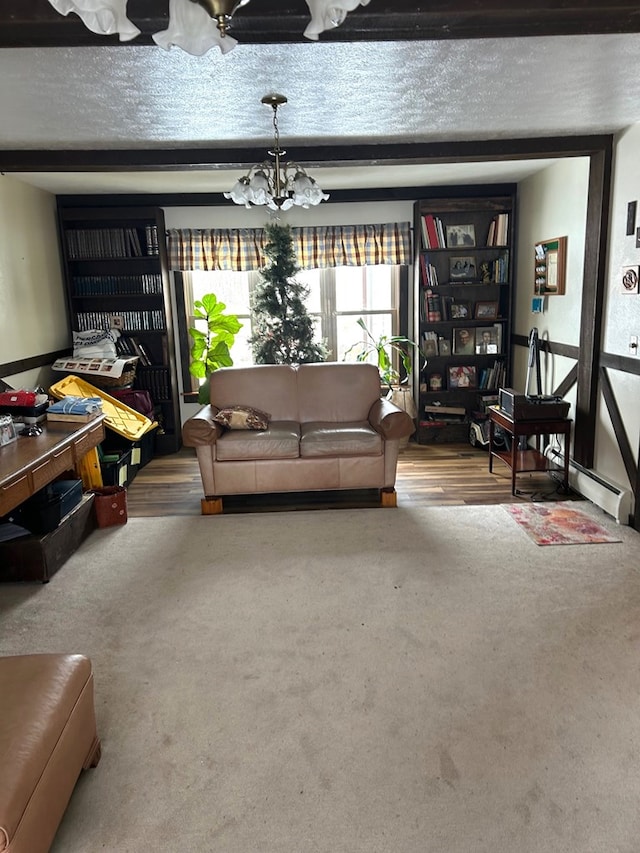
x: 276, y: 184
x: 194, y: 25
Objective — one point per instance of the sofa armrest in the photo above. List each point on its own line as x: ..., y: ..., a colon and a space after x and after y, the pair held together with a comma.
x: 390, y: 421
x: 201, y: 429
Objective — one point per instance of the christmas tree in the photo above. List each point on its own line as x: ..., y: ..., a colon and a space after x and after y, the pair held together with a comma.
x: 283, y: 328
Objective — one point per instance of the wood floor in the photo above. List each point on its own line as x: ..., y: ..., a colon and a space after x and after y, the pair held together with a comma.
x: 428, y: 475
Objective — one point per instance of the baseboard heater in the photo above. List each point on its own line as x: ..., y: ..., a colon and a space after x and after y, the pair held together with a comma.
x: 611, y: 497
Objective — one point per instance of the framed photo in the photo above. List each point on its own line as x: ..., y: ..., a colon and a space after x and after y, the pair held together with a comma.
x: 460, y: 311
x: 463, y: 342
x: 486, y: 310
x: 486, y: 340
x: 7, y: 430
x: 459, y: 236
x: 444, y: 346
x: 463, y: 376
x: 462, y: 268
x: 430, y: 347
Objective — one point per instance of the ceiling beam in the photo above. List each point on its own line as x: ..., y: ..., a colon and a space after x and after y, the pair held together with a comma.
x: 34, y: 23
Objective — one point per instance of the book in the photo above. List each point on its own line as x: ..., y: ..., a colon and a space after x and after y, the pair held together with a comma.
x: 77, y: 419
x: 446, y: 410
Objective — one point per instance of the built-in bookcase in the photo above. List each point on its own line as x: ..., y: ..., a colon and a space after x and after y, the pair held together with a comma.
x: 463, y: 308
x: 116, y: 275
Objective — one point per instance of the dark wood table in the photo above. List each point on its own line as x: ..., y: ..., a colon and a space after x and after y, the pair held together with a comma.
x: 531, y: 459
x: 31, y: 462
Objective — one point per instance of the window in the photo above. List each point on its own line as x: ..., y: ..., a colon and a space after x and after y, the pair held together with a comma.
x: 338, y: 296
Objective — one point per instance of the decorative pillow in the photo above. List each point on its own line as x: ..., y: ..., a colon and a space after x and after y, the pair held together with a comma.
x: 242, y: 417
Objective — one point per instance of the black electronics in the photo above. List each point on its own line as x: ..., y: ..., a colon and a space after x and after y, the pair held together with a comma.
x: 528, y: 407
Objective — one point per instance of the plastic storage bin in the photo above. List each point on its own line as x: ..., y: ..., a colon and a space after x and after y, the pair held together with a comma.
x: 43, y: 512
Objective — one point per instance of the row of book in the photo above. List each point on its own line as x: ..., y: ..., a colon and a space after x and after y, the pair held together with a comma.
x: 498, y: 230
x: 494, y: 271
x: 141, y: 321
x: 117, y: 285
x: 436, y: 235
x: 87, y: 243
x: 436, y: 308
x: 492, y: 377
x: 129, y: 345
x: 155, y: 380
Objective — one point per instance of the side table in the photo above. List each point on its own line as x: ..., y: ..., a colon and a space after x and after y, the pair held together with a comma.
x: 531, y: 459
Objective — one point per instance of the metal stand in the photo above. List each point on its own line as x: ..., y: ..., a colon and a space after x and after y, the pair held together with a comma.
x: 534, y: 359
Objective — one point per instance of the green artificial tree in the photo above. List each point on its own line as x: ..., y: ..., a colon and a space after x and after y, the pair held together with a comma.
x: 283, y: 328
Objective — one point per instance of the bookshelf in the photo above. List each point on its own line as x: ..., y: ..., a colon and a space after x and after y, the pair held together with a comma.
x: 463, y: 308
x: 116, y: 275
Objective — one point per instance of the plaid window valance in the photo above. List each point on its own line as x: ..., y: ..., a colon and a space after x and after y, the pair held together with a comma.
x: 316, y: 247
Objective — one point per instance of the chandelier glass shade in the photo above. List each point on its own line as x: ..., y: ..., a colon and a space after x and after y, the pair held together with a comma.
x: 276, y: 184
x: 194, y: 25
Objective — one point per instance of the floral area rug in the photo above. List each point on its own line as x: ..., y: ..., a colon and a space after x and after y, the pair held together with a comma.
x: 558, y: 525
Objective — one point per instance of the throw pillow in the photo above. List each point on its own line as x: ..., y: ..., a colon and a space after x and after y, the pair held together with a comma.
x: 242, y: 417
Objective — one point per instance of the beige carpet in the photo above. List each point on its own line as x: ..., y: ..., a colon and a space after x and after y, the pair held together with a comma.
x: 358, y: 681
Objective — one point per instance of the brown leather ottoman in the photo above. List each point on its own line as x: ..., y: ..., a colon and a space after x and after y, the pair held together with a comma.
x: 47, y: 736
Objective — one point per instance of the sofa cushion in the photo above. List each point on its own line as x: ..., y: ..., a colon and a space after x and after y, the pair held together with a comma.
x: 280, y: 441
x: 242, y: 417
x: 356, y: 438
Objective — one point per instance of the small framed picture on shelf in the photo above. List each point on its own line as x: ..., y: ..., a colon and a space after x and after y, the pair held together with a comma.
x: 463, y: 376
x: 486, y: 341
x: 430, y: 347
x: 459, y: 236
x: 462, y: 268
x: 444, y: 346
x: 460, y: 310
x: 463, y: 342
x: 486, y: 310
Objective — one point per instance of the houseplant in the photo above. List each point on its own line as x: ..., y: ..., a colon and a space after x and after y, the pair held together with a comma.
x: 383, y: 349
x: 211, y: 349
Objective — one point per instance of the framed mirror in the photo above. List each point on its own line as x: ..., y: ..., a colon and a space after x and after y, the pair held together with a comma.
x: 550, y: 267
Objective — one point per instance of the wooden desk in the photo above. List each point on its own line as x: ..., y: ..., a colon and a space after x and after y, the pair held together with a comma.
x: 531, y: 459
x: 31, y: 462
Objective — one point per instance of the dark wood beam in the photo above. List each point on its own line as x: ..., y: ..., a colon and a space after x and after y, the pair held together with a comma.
x: 154, y: 159
x: 34, y: 23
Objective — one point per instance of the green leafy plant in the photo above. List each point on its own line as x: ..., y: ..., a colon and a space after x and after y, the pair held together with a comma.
x: 211, y: 349
x: 383, y: 349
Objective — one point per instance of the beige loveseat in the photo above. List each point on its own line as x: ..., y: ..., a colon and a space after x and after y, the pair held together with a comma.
x: 328, y: 429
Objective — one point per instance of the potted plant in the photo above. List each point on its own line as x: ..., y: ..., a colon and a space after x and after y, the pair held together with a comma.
x: 383, y: 349
x: 211, y: 349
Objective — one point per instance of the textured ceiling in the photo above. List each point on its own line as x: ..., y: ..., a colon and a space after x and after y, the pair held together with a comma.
x: 339, y: 93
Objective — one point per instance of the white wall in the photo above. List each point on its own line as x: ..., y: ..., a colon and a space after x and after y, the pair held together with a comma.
x: 33, y: 313
x: 552, y: 203
x: 622, y: 310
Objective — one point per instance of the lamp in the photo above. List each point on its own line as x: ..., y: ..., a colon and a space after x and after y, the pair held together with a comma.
x: 194, y: 25
x: 276, y: 184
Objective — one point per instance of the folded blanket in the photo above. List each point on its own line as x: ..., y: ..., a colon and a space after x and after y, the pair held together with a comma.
x: 77, y: 405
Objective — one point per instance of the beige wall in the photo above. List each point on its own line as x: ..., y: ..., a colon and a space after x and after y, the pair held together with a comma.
x: 33, y: 314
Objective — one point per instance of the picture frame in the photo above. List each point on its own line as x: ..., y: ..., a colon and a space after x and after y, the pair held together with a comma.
x: 460, y: 311
x: 487, y: 340
x: 550, y: 267
x: 444, y: 346
x: 463, y: 268
x: 7, y: 430
x: 630, y: 279
x: 459, y: 236
x: 486, y: 311
x: 462, y: 376
x: 463, y: 342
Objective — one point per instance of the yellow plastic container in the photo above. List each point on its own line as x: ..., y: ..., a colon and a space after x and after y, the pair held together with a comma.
x: 120, y: 418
